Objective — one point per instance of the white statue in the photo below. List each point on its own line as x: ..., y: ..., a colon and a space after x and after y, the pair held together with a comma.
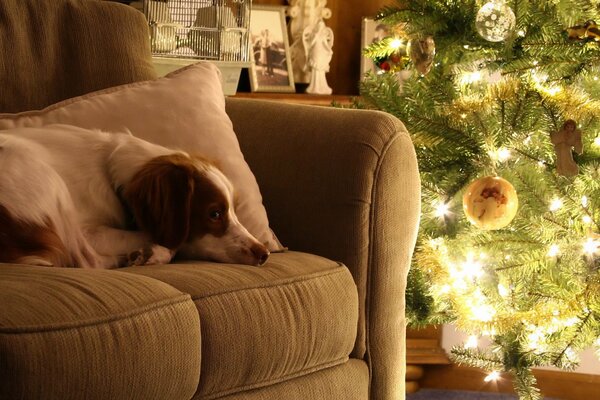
x: 303, y: 14
x: 318, y: 43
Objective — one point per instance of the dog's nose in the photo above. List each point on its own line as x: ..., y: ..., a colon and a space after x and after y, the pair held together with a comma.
x: 261, y: 253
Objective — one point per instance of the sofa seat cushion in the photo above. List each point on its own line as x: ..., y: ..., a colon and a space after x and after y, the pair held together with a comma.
x: 95, y: 334
x: 262, y: 325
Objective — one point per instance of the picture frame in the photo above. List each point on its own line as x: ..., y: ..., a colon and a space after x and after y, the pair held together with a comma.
x: 271, y: 69
x: 371, y: 31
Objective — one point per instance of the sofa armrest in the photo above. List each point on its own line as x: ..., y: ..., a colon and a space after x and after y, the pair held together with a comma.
x: 343, y: 184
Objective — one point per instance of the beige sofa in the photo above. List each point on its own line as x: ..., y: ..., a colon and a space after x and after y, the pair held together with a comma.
x: 324, y: 320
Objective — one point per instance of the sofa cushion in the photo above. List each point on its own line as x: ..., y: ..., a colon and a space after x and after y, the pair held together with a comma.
x: 95, y: 334
x: 183, y: 110
x: 261, y: 325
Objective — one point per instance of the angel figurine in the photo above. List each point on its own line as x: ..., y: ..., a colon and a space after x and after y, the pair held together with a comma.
x: 564, y: 140
x: 318, y: 43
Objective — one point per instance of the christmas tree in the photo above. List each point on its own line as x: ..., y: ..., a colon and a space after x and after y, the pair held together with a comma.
x: 502, y: 99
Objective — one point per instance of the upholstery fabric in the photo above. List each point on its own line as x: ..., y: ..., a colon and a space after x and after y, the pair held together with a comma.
x: 295, y: 315
x: 50, y: 50
x: 357, y: 200
x: 93, y: 334
x: 184, y: 110
x: 348, y: 381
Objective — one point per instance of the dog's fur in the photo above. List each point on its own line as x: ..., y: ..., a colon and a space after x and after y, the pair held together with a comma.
x: 68, y: 197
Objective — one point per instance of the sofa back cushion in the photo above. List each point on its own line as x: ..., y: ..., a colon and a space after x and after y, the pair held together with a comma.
x: 56, y: 49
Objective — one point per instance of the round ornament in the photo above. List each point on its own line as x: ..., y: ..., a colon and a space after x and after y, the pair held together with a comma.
x: 421, y: 52
x: 495, y: 21
x: 490, y: 202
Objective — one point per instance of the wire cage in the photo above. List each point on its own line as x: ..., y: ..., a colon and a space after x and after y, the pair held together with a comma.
x: 200, y: 29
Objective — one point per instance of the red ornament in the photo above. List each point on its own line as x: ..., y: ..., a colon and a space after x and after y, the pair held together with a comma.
x: 385, y: 66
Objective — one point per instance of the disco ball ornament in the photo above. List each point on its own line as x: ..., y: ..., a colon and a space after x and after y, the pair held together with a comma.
x: 495, y: 21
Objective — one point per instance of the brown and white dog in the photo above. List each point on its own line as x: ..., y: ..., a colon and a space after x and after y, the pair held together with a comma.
x: 68, y: 195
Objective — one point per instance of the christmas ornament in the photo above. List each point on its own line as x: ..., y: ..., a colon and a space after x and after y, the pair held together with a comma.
x: 563, y: 140
x: 490, y: 202
x: 421, y: 53
x: 495, y: 21
x: 589, y: 30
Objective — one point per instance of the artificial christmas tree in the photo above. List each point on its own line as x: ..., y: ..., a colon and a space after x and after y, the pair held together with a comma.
x: 504, y: 109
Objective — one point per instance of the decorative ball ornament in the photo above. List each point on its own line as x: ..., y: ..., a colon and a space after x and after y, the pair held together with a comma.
x: 421, y: 52
x: 495, y: 21
x: 490, y: 202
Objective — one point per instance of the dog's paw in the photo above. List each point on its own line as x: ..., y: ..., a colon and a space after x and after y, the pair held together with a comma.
x: 160, y: 255
x: 154, y: 254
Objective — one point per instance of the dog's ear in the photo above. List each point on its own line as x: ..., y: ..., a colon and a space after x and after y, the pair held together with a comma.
x: 160, y: 196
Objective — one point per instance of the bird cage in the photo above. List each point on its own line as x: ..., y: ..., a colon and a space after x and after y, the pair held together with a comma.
x: 200, y: 29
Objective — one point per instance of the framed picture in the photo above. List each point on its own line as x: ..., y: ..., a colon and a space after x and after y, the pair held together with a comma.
x: 372, y: 31
x: 271, y: 69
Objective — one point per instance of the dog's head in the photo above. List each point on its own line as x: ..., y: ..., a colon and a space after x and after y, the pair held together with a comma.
x: 187, y: 204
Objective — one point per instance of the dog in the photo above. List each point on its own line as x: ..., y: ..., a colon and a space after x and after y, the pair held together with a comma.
x: 68, y: 197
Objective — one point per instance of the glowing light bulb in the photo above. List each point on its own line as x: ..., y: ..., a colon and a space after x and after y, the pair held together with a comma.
x: 492, y: 376
x: 483, y: 312
x: 584, y: 201
x: 470, y: 77
x: 396, y: 43
x: 590, y: 247
x: 556, y: 204
x: 502, y: 154
x: 597, y: 141
x: 503, y: 290
x: 587, y: 219
x: 471, y: 342
x: 553, y: 251
x: 441, y: 209
x: 521, y: 33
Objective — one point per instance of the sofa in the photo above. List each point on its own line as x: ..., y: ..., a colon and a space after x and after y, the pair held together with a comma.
x: 322, y: 319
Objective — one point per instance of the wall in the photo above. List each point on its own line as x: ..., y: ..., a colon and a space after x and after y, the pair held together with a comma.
x: 346, y: 23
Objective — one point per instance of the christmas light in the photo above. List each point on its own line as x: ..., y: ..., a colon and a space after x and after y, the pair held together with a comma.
x: 597, y: 141
x: 471, y: 267
x: 396, y: 43
x: 584, y: 201
x: 586, y: 219
x: 590, y: 247
x: 470, y: 77
x: 441, y: 209
x: 553, y: 251
x: 492, y: 376
x: 503, y: 291
x: 556, y: 204
x: 471, y: 342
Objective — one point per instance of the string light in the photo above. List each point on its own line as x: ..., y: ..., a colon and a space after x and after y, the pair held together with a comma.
x: 590, y: 247
x: 556, y: 204
x: 470, y: 77
x: 396, y: 43
x: 471, y: 342
x: 584, y: 201
x: 553, y: 251
x: 597, y: 141
x: 503, y: 290
x: 501, y: 154
x: 587, y: 219
x: 441, y: 209
x: 492, y: 376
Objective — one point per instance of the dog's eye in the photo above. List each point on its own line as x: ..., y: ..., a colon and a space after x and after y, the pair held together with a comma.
x: 215, y: 215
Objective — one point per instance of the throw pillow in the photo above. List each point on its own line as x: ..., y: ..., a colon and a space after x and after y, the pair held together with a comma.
x: 183, y: 110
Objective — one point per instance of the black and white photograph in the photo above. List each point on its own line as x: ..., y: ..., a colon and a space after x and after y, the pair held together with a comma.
x: 271, y: 69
